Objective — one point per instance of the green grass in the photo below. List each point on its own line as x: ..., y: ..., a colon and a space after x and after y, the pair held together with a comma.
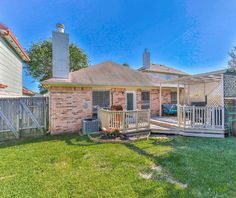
x: 73, y: 166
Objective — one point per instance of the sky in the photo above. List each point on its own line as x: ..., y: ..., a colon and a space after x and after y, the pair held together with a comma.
x: 191, y: 35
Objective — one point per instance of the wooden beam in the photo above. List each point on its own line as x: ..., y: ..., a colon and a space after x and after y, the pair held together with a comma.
x: 178, y: 93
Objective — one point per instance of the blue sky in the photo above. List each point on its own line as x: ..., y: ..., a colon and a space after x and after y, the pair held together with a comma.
x: 191, y: 35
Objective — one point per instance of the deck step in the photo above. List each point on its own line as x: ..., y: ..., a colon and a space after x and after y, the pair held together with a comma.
x: 169, y: 128
x: 137, y: 135
x: 163, y: 124
x: 188, y: 133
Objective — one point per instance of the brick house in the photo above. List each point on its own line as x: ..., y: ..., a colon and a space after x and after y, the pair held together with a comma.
x: 76, y: 95
x: 104, y: 85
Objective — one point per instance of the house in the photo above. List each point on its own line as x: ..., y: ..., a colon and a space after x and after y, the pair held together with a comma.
x: 12, y: 57
x: 27, y: 92
x: 75, y: 95
x: 158, y: 70
x: 203, y: 100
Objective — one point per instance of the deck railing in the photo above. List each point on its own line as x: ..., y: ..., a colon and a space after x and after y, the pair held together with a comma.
x: 207, y: 117
x: 124, y: 121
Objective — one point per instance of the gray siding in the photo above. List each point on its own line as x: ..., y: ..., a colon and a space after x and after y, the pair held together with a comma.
x: 10, y: 71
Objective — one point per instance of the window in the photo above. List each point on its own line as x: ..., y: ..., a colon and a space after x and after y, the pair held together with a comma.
x: 101, y: 99
x: 173, y: 97
x: 145, y: 100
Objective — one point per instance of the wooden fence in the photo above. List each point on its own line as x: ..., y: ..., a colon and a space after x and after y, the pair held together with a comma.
x: 207, y: 117
x: 23, y: 113
x: 124, y: 120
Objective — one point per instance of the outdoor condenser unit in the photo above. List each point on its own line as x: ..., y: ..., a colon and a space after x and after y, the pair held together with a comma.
x: 90, y: 125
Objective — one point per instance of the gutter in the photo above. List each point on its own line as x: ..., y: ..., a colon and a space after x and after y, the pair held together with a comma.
x: 6, y: 33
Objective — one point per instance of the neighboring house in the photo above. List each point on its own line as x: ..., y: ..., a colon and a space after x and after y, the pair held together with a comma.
x: 27, y: 92
x: 161, y: 72
x: 75, y: 95
x: 12, y: 57
x: 158, y: 70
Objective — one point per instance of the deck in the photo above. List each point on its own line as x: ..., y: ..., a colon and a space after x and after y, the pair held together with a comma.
x: 198, y: 122
x: 169, y: 125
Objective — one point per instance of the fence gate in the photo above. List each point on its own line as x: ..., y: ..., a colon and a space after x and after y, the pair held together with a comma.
x: 23, y: 113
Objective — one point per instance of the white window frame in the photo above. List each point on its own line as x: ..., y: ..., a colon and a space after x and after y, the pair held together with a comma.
x: 101, y: 90
x: 134, y: 99
x: 149, y: 99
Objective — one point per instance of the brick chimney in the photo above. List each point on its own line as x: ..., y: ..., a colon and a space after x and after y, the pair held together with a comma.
x: 146, y: 59
x: 60, y: 52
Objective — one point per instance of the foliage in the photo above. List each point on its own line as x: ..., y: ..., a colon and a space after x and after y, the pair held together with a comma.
x: 125, y: 64
x: 112, y: 133
x: 73, y: 166
x: 116, y: 108
x: 232, y: 61
x: 40, y: 65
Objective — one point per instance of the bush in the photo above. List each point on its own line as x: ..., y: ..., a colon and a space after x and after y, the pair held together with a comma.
x: 112, y: 133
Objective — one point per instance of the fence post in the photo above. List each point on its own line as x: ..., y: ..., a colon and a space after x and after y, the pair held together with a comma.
x: 45, y: 114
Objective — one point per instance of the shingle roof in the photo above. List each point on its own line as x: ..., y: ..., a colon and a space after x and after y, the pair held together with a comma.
x: 163, y: 69
x: 107, y: 74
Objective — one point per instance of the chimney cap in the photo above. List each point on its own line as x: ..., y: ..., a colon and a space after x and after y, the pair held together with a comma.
x: 60, y: 27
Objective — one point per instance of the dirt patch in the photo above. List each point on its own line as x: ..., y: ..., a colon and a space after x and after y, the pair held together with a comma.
x: 157, y: 173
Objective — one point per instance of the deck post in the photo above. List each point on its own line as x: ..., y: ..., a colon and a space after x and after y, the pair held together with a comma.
x: 213, y: 117
x: 160, y: 100
x: 184, y: 115
x: 123, y: 121
x: 188, y: 94
x: 149, y: 115
x: 178, y: 110
x: 137, y: 116
x: 223, y: 102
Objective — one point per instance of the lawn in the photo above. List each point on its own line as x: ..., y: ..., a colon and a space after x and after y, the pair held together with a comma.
x: 73, y: 166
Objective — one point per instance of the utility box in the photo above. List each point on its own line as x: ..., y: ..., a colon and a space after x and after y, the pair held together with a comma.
x: 90, y: 125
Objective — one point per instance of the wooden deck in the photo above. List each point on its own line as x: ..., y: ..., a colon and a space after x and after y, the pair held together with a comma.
x: 125, y: 121
x: 170, y: 126
x: 197, y: 122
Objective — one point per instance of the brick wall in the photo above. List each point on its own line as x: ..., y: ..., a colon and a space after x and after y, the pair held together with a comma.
x: 166, y: 96
x: 68, y: 106
x: 118, y: 97
x: 155, y: 100
x: 139, y: 99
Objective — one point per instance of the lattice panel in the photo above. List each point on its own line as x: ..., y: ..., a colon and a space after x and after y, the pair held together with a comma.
x: 229, y: 85
x: 214, y: 93
x: 212, y: 90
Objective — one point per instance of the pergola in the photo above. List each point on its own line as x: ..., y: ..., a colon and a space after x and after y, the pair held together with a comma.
x: 200, y: 100
x: 203, y: 79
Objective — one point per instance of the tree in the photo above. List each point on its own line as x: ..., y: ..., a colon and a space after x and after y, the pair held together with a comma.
x: 232, y: 62
x: 40, y: 64
x: 125, y: 64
